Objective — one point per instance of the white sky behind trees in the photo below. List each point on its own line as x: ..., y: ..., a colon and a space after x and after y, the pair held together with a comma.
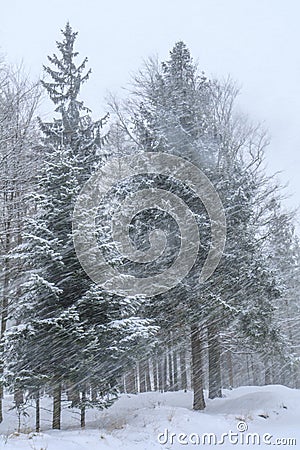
x: 257, y: 42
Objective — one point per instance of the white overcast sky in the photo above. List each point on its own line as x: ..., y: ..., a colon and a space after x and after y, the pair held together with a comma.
x: 257, y: 42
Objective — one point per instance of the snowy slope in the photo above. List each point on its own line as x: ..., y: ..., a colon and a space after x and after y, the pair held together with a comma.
x: 135, y: 421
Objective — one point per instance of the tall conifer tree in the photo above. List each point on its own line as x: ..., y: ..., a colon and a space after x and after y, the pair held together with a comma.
x: 69, y: 328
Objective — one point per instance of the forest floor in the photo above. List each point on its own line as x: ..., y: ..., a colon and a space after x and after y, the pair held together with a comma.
x: 147, y: 421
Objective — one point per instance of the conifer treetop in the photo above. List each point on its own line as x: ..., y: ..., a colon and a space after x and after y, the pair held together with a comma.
x: 180, y: 69
x: 67, y: 78
x: 74, y: 127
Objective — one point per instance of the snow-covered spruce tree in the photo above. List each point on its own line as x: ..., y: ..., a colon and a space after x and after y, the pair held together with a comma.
x: 231, y: 154
x: 58, y: 339
x: 175, y: 110
x: 169, y: 112
x: 119, y: 335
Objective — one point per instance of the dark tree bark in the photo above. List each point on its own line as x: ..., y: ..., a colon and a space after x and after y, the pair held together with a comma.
x: 56, y: 404
x: 248, y: 370
x: 94, y: 393
x: 160, y: 372
x: 73, y: 395
x: 197, y: 369
x: 147, y: 376
x: 82, y: 410
x: 121, y: 384
x: 183, y: 373
x: 165, y: 373
x: 229, y: 368
x: 175, y: 370
x: 214, y: 361
x: 296, y: 373
x: 142, y: 376
x: 37, y: 413
x: 130, y: 382
x: 155, y: 373
x: 268, y: 372
x: 170, y: 362
x: 18, y: 397
x: 254, y: 372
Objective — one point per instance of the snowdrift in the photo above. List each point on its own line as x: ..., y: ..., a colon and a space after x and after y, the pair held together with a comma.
x: 167, y: 421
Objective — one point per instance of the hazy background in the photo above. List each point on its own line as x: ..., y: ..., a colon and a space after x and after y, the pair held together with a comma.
x: 257, y: 42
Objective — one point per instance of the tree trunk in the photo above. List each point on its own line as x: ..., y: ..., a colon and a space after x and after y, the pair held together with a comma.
x: 165, y: 373
x: 160, y: 373
x: 56, y: 405
x: 170, y: 362
x: 147, y: 375
x: 197, y: 369
x: 82, y: 410
x: 248, y: 370
x: 18, y: 397
x: 94, y: 393
x: 214, y: 362
x: 73, y: 395
x: 37, y: 413
x: 155, y: 364
x: 183, y: 373
x: 268, y: 372
x: 254, y: 372
x: 131, y: 382
x: 142, y: 376
x: 296, y: 373
x: 122, y: 384
x: 175, y: 370
x: 229, y: 368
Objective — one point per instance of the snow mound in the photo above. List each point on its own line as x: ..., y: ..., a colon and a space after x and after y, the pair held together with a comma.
x: 147, y: 421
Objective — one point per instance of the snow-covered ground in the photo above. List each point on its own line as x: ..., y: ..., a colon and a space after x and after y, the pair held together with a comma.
x: 140, y: 422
